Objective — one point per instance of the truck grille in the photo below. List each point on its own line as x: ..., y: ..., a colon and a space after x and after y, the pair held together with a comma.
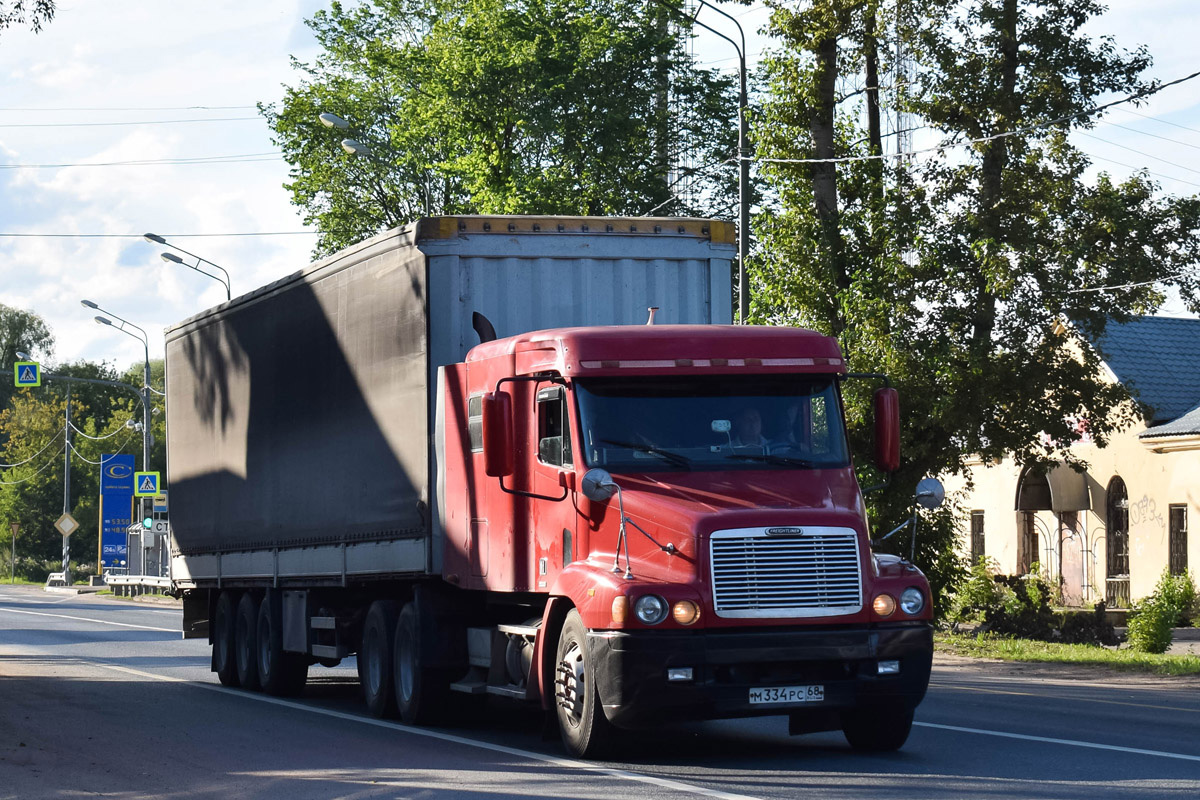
x: 813, y: 574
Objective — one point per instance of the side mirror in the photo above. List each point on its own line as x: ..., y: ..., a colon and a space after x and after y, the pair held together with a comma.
x: 497, y: 434
x: 598, y: 485
x: 887, y: 429
x: 930, y: 493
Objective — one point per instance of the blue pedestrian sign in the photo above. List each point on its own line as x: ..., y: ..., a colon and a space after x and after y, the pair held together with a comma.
x: 27, y: 373
x: 145, y: 484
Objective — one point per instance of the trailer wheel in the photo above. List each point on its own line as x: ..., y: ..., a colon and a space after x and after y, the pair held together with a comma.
x: 375, y: 658
x: 585, y: 731
x: 245, y: 642
x: 224, y: 663
x: 421, y: 692
x: 877, y: 729
x: 280, y: 673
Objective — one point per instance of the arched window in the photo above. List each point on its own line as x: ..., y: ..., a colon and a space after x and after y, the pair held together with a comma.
x: 1116, y: 541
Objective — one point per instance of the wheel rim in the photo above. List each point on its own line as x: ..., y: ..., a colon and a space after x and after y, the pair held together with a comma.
x: 570, y: 684
x: 407, y: 665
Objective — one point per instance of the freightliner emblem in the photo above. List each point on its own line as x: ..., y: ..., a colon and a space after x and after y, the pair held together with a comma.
x: 785, y: 531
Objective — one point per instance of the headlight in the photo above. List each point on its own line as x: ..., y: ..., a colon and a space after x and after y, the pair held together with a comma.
x: 912, y: 601
x: 884, y: 605
x: 685, y: 612
x: 650, y: 609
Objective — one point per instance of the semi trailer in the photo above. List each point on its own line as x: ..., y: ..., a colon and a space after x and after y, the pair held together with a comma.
x: 532, y: 458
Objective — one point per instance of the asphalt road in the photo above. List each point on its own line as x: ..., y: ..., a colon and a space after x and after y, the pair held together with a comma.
x: 101, y: 698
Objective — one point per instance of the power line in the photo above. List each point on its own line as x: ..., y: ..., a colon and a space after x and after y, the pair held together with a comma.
x: 1139, y: 152
x: 179, y: 161
x: 51, y: 441
x: 46, y: 466
x: 1128, y: 285
x: 102, y: 458
x: 139, y: 235
x: 1160, y: 120
x: 1007, y: 134
x: 96, y: 438
x: 1143, y: 169
x: 130, y: 108
x: 1153, y: 135
x: 112, y: 124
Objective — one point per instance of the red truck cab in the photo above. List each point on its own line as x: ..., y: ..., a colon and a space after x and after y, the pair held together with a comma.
x: 679, y: 506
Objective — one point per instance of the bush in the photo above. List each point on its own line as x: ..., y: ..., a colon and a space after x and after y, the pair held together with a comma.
x: 1079, y: 627
x: 1150, y: 623
x: 1178, y: 594
x: 978, y: 596
x: 1025, y: 611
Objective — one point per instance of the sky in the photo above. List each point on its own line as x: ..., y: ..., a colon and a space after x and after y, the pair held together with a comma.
x: 146, y: 65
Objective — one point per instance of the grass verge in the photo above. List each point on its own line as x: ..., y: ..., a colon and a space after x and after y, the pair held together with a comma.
x: 20, y: 582
x: 984, y: 646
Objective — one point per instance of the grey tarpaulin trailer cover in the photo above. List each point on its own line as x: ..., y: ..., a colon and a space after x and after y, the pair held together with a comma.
x: 301, y: 417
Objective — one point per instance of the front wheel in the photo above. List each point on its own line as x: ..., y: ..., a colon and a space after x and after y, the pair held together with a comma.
x: 585, y: 731
x: 877, y: 730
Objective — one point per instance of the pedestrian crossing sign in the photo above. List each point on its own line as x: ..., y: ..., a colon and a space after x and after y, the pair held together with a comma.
x: 27, y: 373
x: 145, y: 484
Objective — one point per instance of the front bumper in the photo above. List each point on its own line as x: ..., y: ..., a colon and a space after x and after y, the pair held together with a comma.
x: 631, y: 670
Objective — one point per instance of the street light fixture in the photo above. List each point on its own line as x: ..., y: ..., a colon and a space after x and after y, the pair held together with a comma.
x: 332, y: 121
x: 154, y: 238
x: 356, y: 148
x: 145, y: 340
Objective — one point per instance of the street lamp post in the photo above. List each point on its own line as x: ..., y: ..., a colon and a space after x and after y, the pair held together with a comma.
x: 15, y: 526
x: 743, y: 152
x: 145, y: 393
x: 154, y: 238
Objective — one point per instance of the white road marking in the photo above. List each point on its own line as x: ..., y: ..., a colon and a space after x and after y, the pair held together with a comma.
x: 664, y: 783
x: 1068, y: 742
x: 89, y: 619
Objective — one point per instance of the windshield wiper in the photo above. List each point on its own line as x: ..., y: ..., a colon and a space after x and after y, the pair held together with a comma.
x: 666, y: 455
x: 771, y: 459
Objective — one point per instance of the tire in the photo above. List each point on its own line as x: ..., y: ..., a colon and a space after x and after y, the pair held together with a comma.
x: 279, y: 673
x: 245, y: 642
x: 584, y: 729
x: 375, y: 656
x: 224, y: 662
x: 421, y: 692
x: 878, y: 730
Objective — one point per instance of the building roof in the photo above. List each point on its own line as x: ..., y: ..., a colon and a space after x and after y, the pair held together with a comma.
x: 1187, y: 425
x: 1159, y: 358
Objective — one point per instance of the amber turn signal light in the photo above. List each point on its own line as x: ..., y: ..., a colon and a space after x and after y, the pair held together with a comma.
x: 685, y: 612
x: 620, y: 608
x: 884, y: 605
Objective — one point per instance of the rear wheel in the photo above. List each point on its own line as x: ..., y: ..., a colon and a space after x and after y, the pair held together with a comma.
x: 585, y: 731
x: 877, y: 729
x: 224, y: 663
x: 245, y: 642
x: 375, y: 658
x: 280, y: 673
x: 421, y: 691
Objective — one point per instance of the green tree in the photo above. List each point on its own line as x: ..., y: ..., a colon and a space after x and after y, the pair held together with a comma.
x: 953, y: 271
x: 501, y: 106
x: 21, y: 332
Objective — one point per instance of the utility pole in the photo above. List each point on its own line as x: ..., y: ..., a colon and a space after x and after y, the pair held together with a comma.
x: 16, y: 526
x: 67, y: 489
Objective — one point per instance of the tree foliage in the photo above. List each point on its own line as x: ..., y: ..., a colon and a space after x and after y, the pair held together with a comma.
x: 955, y: 271
x: 21, y: 332
x: 499, y: 107
x: 35, y: 14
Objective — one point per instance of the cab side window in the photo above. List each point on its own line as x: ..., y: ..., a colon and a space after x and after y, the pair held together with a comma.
x: 554, y: 434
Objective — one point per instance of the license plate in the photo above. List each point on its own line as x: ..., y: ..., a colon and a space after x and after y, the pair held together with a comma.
x: 787, y: 694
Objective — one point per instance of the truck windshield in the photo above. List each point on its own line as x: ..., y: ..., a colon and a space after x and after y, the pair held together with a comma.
x: 712, y: 423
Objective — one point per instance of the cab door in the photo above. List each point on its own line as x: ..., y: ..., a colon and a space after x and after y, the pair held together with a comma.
x: 553, y: 500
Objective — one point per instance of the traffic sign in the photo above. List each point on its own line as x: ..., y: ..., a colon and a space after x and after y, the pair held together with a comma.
x: 27, y: 373
x: 145, y: 484
x: 66, y: 525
